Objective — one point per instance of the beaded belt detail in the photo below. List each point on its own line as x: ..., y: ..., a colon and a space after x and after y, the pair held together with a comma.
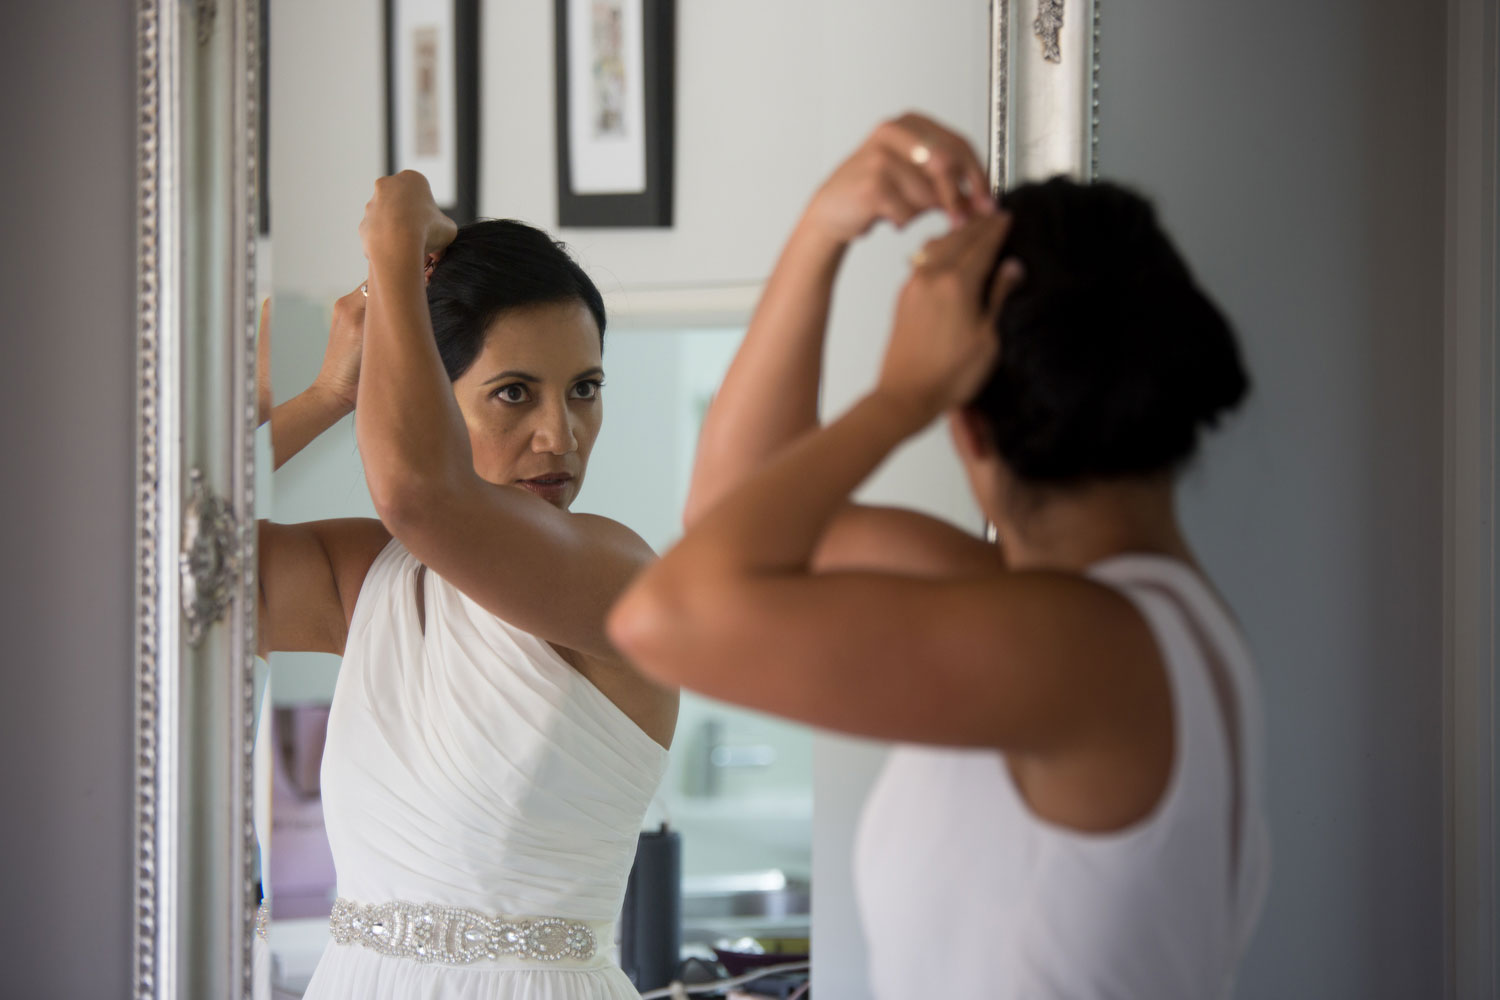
x: 425, y: 932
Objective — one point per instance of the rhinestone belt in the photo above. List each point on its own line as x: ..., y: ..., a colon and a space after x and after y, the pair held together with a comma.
x: 425, y: 932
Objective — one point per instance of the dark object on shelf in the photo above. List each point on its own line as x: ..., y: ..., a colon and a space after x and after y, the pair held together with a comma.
x: 740, y: 962
x: 615, y: 103
x: 651, y: 921
x: 700, y: 970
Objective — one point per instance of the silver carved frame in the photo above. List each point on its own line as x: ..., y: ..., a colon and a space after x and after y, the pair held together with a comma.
x: 1044, y: 95
x: 1044, y: 90
x: 195, y: 889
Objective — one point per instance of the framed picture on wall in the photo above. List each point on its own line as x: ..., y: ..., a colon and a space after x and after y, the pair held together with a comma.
x: 263, y: 120
x: 614, y: 112
x: 432, y: 97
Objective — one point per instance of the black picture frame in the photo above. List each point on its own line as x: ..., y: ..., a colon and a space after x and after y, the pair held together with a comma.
x: 653, y: 206
x: 263, y: 119
x: 464, y: 208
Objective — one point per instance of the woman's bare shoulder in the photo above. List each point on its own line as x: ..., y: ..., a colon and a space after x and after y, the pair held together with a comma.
x: 897, y: 540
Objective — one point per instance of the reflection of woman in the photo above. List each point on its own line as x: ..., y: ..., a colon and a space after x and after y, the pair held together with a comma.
x: 489, y: 757
x: 1095, y: 828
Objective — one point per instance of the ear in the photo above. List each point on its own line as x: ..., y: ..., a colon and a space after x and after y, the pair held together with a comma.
x: 970, y: 435
x: 428, y: 264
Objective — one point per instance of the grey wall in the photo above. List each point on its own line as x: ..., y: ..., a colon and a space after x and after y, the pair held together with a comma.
x: 67, y: 453
x: 1296, y: 151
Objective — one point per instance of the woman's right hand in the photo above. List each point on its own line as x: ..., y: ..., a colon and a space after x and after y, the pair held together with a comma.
x: 402, y: 215
x: 339, y: 374
x: 943, y: 343
x: 906, y: 167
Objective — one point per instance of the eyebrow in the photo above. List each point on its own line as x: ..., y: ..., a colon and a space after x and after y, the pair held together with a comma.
x: 535, y: 379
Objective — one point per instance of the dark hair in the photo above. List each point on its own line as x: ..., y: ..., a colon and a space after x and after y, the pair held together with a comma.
x: 1111, y: 357
x: 493, y: 266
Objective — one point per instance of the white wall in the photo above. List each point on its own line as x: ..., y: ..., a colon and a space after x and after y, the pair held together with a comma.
x: 770, y: 96
x: 67, y: 295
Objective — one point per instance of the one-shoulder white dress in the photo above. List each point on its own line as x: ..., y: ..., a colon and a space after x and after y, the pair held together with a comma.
x: 965, y: 892
x: 483, y: 801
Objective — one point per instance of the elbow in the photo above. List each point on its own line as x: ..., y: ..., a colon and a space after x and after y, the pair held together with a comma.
x: 646, y: 626
x: 404, y: 503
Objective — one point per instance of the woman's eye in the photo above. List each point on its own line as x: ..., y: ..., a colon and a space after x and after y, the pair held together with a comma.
x: 513, y: 393
x: 589, y: 389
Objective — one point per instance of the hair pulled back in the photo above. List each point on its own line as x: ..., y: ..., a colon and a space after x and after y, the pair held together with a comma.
x: 1112, y: 360
x: 491, y: 267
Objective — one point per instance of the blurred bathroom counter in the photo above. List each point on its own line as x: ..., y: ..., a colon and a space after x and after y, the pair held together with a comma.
x: 763, y: 904
x: 746, y: 833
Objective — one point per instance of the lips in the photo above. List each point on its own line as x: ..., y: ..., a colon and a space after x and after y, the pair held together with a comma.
x: 550, y: 486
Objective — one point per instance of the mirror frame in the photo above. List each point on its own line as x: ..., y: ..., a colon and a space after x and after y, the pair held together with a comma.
x: 198, y: 116
x: 195, y: 854
x: 1044, y: 91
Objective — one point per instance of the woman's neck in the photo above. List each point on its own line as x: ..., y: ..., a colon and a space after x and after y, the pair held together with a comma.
x: 1073, y: 529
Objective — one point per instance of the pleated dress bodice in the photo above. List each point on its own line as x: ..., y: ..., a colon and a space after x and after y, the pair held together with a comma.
x: 468, y: 764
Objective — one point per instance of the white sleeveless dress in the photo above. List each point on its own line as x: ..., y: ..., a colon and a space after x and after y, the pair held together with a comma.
x: 964, y: 892
x: 468, y: 765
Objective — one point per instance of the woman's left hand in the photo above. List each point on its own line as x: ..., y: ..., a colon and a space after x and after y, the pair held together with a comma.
x: 943, y: 344
x: 339, y: 374
x: 402, y: 217
x: 263, y: 365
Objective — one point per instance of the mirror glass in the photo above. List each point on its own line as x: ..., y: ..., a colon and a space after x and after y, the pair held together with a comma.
x: 737, y: 788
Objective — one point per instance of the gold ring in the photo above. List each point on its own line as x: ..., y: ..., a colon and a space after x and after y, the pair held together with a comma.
x: 918, y: 259
x: 920, y: 154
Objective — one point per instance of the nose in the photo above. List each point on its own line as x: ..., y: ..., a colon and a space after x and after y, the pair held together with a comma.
x: 553, y: 433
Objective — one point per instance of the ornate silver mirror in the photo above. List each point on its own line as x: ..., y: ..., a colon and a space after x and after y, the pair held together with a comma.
x: 197, y: 870
x: 195, y: 867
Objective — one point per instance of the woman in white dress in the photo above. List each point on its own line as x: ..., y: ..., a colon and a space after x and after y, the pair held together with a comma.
x: 1075, y: 808
x: 489, y: 756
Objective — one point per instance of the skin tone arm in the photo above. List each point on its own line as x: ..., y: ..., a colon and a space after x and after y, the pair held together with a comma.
x: 310, y: 574
x: 545, y: 570
x: 769, y: 397
x: 299, y: 420
x: 1041, y: 663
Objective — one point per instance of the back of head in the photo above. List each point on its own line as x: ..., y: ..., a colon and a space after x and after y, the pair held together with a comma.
x: 1111, y: 358
x: 494, y: 266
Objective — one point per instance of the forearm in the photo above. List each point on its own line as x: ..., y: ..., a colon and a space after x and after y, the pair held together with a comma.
x: 410, y: 432
x: 769, y: 397
x: 774, y: 520
x: 295, y: 423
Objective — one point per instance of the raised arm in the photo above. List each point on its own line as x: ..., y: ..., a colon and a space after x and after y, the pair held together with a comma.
x: 769, y: 397
x: 330, y: 397
x: 543, y: 569
x: 736, y: 612
x: 310, y: 574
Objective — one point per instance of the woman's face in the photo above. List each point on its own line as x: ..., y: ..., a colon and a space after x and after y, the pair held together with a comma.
x: 532, y: 399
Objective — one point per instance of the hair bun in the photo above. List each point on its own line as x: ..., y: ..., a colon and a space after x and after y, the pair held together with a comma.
x: 1112, y: 359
